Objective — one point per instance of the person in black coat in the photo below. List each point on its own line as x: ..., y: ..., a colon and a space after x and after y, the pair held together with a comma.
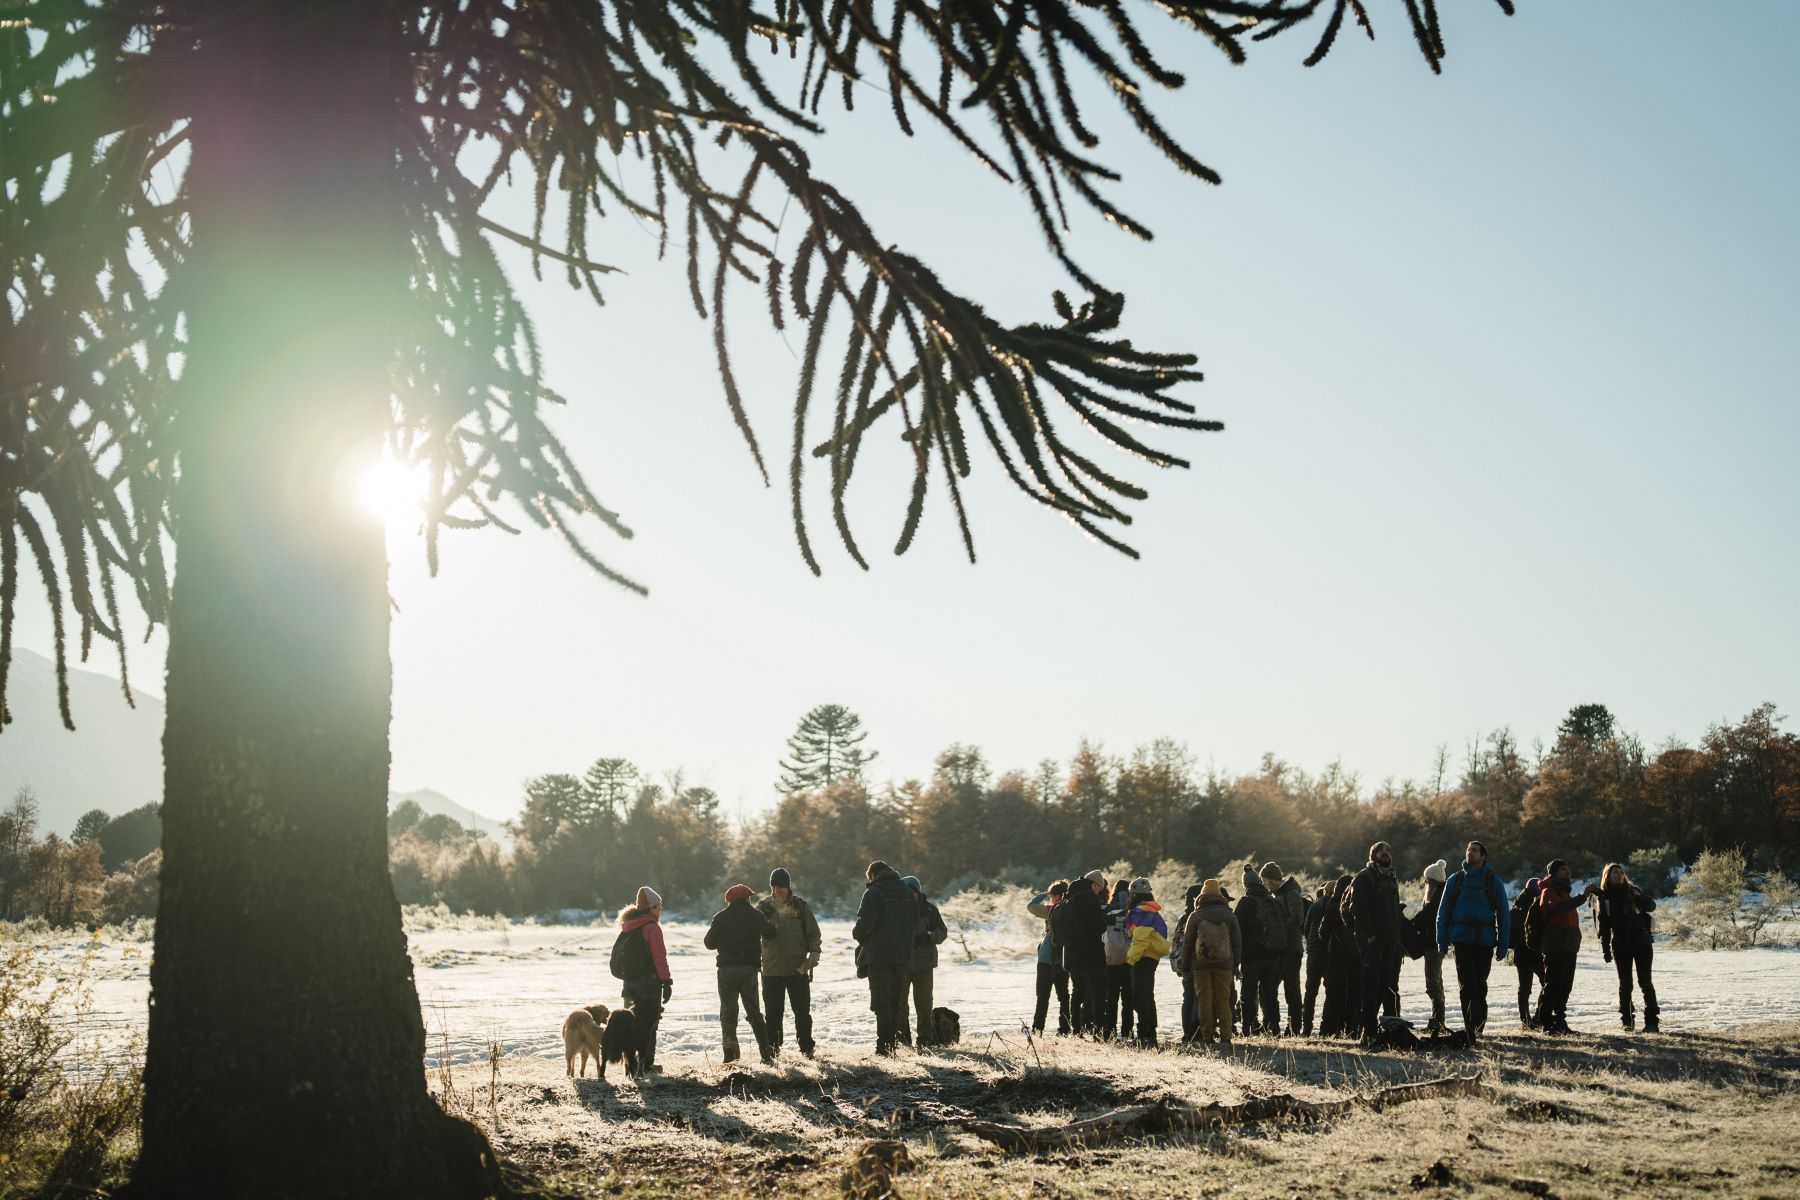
x: 736, y: 934
x: 1082, y: 923
x: 1625, y: 941
x: 922, y: 969
x: 1376, y: 915
x: 887, y: 923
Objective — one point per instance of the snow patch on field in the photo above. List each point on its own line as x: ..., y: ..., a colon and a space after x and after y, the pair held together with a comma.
x: 483, y: 981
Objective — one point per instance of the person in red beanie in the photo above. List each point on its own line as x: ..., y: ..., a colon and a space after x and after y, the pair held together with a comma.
x: 736, y: 934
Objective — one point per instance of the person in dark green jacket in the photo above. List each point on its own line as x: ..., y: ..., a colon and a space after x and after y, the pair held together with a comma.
x: 788, y: 960
x: 887, y: 923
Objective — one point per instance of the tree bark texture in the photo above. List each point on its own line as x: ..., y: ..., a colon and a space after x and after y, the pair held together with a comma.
x: 286, y: 1047
x: 1168, y: 1116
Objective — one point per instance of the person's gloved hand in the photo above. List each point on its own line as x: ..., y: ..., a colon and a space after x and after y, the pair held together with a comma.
x: 1607, y: 956
x: 668, y: 990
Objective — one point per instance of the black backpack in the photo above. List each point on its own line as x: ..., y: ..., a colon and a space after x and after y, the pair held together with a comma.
x: 631, y: 956
x: 1266, y: 932
x: 1059, y: 924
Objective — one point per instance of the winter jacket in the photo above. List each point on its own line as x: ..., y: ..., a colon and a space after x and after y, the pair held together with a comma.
x: 794, y: 950
x: 737, y: 932
x: 1474, y: 911
x: 1262, y: 928
x: 1332, y: 931
x: 1562, y: 917
x: 1047, y: 953
x: 1149, y: 935
x: 1213, y: 910
x: 1314, y: 929
x: 1084, y: 923
x: 1375, y: 907
x: 931, y: 935
x: 1293, y: 914
x: 1624, y: 920
x: 887, y: 921
x: 653, y: 938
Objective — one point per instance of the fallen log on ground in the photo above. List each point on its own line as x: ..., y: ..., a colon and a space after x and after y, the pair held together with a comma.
x: 1166, y: 1116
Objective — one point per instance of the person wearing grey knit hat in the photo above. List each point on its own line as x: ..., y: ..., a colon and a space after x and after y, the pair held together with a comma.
x: 1425, y: 923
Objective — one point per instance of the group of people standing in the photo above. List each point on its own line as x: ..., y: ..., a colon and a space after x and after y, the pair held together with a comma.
x: 1239, y: 958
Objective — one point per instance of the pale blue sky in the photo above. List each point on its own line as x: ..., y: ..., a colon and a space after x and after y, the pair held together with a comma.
x: 1507, y: 363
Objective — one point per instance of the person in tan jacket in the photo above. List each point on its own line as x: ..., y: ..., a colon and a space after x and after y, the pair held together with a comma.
x: 788, y: 960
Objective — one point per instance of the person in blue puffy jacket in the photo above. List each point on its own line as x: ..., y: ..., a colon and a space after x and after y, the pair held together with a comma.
x: 1473, y: 919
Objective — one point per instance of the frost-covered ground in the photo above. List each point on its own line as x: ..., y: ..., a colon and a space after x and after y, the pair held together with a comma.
x: 494, y: 981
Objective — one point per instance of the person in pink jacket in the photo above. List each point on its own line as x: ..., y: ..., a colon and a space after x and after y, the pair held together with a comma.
x: 645, y: 970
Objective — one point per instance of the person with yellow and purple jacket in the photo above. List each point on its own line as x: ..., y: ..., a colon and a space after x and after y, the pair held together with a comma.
x: 1149, y: 935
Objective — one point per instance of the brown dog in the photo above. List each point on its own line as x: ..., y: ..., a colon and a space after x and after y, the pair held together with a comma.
x: 581, y: 1037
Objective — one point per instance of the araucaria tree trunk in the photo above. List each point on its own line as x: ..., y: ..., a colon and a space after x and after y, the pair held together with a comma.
x: 286, y: 1046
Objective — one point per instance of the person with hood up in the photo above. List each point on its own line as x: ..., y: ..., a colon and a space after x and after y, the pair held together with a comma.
x: 1051, y: 975
x: 788, y: 960
x: 1083, y: 923
x: 1292, y: 899
x: 1317, y: 956
x: 1263, y: 938
x: 647, y: 984
x: 1473, y: 918
x: 1528, y: 961
x: 1118, y: 1010
x: 919, y: 972
x: 1210, y: 953
x: 1625, y: 941
x: 1375, y: 917
x: 736, y: 936
x: 1190, y: 1003
x: 1425, y: 926
x: 1149, y: 936
x: 887, y: 922
x: 1559, y: 922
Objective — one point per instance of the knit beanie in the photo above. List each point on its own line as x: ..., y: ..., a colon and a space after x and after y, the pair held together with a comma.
x: 1271, y: 870
x: 912, y: 881
x: 648, y: 898
x: 779, y: 878
x: 1556, y: 864
x: 1435, y: 872
x: 1210, y: 888
x: 1096, y: 877
x: 1379, y: 846
x: 738, y: 891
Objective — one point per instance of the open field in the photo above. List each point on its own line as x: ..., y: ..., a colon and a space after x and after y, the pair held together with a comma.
x: 1684, y: 1114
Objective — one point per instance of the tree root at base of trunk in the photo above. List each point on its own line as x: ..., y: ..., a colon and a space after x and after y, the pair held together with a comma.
x: 1167, y: 1116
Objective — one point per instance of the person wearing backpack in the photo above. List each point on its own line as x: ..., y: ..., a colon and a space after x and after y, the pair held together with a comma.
x: 1474, y: 920
x: 736, y: 936
x: 1557, y: 916
x: 1051, y: 976
x: 1083, y: 922
x: 887, y: 922
x: 1343, y: 965
x: 1210, y: 952
x: 923, y: 968
x: 1190, y: 1003
x: 1149, y: 936
x: 1527, y: 961
x: 1117, y: 1011
x: 788, y: 960
x: 1374, y: 920
x: 1317, y: 956
x: 1292, y: 901
x: 641, y: 963
x: 1263, y: 938
x: 1624, y: 919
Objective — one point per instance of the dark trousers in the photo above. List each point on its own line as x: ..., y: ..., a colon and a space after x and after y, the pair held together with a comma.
x: 1051, y: 977
x: 1117, y: 1010
x: 1290, y: 987
x: 1530, y: 966
x: 919, y: 984
x: 1143, y: 999
x: 887, y: 996
x: 1623, y: 963
x: 1190, y: 1008
x: 1380, y: 964
x: 797, y: 990
x: 737, y: 988
x: 1262, y: 995
x: 1343, y: 1008
x: 1559, y: 981
x: 1087, y: 997
x: 644, y: 998
x: 1315, y: 977
x: 1473, y: 962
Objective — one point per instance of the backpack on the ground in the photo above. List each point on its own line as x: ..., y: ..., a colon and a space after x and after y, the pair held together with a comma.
x: 1211, y: 941
x: 946, y: 1027
x: 631, y: 956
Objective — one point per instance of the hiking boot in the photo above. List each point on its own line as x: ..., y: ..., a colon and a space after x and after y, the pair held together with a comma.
x: 1652, y: 1022
x: 1629, y: 1020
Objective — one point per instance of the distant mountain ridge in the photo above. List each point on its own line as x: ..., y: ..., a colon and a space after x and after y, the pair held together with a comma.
x: 113, y: 759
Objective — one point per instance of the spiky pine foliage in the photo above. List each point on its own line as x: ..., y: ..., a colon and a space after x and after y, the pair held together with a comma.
x: 94, y: 108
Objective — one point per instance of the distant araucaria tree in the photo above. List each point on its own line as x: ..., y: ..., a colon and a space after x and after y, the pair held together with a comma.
x: 249, y: 243
x: 825, y: 748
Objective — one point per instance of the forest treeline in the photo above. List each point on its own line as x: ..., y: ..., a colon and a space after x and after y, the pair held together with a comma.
x: 1597, y: 793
